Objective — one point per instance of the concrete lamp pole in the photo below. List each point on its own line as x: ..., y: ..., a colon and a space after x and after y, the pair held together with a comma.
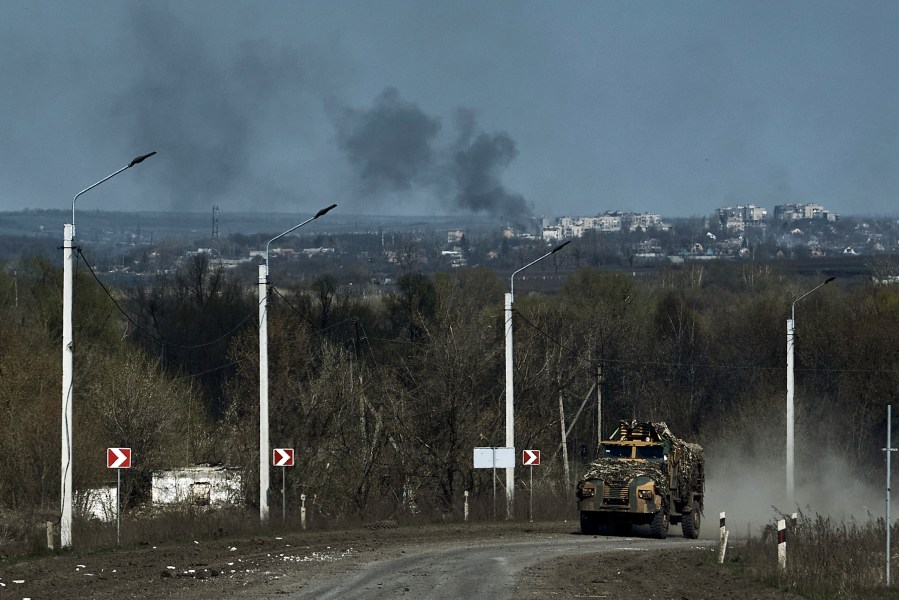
x: 510, y: 383
x: 264, y: 456
x: 791, y: 334
x: 68, y: 246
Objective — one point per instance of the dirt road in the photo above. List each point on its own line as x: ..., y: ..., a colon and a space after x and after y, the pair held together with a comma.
x: 468, y: 569
x: 485, y: 560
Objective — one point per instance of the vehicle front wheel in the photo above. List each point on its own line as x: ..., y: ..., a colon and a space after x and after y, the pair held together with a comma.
x: 659, y: 527
x: 589, y: 523
x: 690, y: 523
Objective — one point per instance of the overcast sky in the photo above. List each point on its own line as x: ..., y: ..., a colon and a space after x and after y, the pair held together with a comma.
x: 502, y: 108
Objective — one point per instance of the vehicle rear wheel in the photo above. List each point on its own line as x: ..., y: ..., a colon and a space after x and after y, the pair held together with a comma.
x: 590, y: 523
x: 659, y: 527
x: 690, y: 523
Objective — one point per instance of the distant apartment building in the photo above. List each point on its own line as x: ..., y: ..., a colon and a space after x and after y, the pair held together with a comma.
x: 646, y: 221
x: 796, y: 212
x: 552, y: 234
x: 609, y: 222
x: 606, y: 222
x: 455, y: 257
x: 577, y: 226
x: 736, y: 218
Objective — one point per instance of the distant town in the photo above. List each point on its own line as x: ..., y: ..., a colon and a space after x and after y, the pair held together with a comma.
x: 371, y: 251
x: 734, y: 219
x: 733, y: 230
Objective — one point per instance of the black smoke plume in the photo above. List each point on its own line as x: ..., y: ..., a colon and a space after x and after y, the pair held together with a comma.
x: 213, y: 112
x: 389, y: 144
x: 477, y: 164
x: 393, y: 147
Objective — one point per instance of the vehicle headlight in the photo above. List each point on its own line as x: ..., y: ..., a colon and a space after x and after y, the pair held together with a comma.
x: 645, y: 494
x: 588, y: 491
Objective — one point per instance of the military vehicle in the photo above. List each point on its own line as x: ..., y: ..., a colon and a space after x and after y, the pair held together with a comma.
x: 644, y: 475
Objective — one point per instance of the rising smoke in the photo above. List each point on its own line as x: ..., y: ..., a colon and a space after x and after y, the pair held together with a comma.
x: 478, y: 160
x: 389, y: 145
x: 187, y: 106
x: 221, y: 115
x: 393, y: 147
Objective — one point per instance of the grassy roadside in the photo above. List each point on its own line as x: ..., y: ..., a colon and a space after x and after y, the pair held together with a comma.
x: 826, y: 559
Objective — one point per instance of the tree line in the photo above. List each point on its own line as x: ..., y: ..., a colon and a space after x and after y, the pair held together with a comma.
x: 384, y: 397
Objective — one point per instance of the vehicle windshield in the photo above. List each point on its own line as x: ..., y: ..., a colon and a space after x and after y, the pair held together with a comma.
x: 616, y: 451
x: 651, y: 452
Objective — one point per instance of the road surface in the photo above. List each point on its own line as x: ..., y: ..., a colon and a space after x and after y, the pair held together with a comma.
x: 466, y: 569
x: 525, y: 561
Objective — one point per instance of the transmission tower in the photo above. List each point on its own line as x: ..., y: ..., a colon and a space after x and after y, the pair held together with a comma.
x: 215, y: 223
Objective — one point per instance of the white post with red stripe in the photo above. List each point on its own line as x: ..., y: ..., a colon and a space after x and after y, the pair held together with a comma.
x: 722, y: 539
x: 782, y: 545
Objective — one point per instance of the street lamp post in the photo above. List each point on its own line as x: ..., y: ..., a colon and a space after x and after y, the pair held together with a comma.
x: 68, y: 246
x: 264, y: 457
x: 791, y: 335
x: 510, y: 383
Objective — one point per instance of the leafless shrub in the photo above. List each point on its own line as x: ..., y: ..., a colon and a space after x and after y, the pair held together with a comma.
x: 23, y: 533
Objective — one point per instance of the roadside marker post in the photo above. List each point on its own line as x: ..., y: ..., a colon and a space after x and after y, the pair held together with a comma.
x: 303, y: 511
x: 722, y: 539
x: 782, y: 545
x: 465, y: 513
x: 118, y: 459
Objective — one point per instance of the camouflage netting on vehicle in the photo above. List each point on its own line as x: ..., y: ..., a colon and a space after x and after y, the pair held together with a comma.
x: 688, y: 468
x: 619, y: 472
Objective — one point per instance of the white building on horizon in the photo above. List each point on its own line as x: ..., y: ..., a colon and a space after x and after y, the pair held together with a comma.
x: 608, y: 222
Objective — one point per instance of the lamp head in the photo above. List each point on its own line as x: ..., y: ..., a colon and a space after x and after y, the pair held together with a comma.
x: 560, y: 246
x: 140, y: 159
x: 323, y: 211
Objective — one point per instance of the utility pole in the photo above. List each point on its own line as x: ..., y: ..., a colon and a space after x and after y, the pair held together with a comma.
x: 68, y: 248
x: 599, y: 381
x: 264, y: 456
x: 510, y: 382
x: 888, y: 450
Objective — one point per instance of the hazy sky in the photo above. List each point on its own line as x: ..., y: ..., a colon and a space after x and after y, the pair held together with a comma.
x: 504, y: 108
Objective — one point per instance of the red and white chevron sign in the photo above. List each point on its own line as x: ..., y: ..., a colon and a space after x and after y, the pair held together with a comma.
x: 118, y: 458
x: 530, y: 457
x: 282, y: 457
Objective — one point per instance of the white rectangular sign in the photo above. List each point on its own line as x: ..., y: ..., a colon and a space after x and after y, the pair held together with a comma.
x: 494, y: 458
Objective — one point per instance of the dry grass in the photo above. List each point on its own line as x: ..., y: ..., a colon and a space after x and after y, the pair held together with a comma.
x: 825, y: 559
x: 24, y: 535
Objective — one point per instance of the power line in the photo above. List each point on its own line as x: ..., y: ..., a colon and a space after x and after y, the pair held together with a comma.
x: 150, y: 334
x: 601, y: 361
